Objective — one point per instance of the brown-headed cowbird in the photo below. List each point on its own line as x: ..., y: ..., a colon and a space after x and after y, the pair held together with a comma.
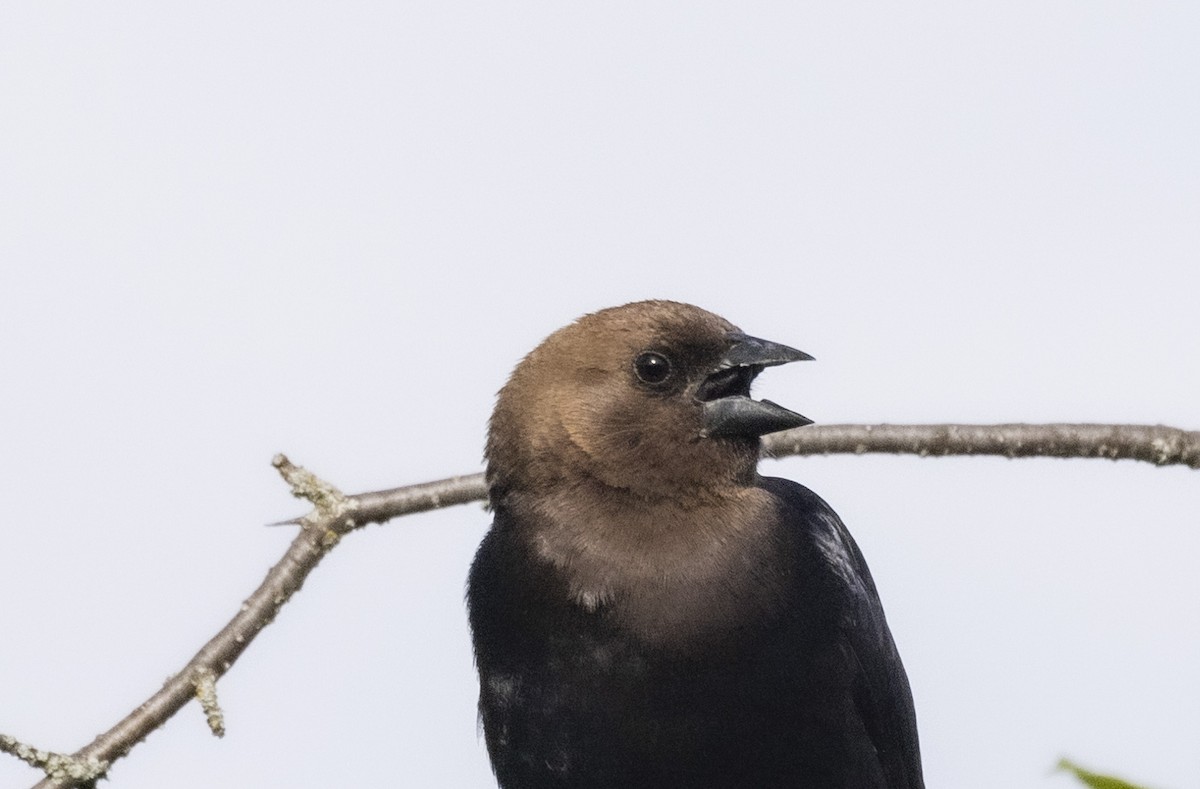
x: 647, y: 610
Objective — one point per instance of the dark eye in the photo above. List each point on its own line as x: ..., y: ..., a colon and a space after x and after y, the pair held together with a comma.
x: 652, y: 368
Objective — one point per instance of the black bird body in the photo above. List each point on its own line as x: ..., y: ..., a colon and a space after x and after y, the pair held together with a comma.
x: 647, y: 611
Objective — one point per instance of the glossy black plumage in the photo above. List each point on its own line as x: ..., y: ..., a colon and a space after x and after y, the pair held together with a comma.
x: 647, y: 611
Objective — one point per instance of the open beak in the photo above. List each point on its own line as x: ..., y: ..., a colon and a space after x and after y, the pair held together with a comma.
x: 728, y: 409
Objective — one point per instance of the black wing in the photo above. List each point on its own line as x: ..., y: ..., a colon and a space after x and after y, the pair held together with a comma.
x: 881, y: 693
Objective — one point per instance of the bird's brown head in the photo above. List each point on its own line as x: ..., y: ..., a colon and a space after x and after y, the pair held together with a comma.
x: 650, y: 398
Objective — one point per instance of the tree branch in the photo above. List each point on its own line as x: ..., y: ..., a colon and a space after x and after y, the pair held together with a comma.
x: 1162, y: 446
x: 336, y: 514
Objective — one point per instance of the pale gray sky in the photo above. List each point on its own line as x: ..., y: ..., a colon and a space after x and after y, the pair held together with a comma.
x: 331, y: 229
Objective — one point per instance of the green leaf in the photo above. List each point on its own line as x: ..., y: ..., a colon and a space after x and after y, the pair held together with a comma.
x: 1094, y: 780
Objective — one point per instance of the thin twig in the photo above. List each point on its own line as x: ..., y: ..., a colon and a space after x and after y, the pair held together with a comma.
x: 206, y: 693
x: 336, y: 514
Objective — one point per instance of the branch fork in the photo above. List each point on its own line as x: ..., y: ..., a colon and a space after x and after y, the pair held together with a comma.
x: 59, y: 767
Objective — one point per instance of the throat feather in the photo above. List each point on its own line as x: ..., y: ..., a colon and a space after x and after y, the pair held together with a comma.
x: 670, y: 575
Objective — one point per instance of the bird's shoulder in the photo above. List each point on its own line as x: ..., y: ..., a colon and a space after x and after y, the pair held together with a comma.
x: 805, y: 518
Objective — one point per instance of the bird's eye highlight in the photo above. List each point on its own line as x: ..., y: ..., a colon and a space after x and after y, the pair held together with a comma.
x: 652, y: 367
